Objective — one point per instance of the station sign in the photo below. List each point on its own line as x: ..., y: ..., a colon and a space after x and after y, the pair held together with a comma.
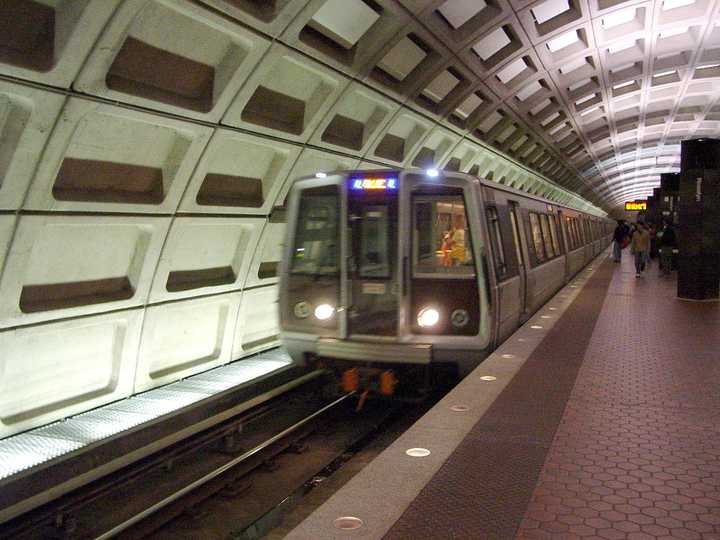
x: 636, y: 206
x: 374, y: 183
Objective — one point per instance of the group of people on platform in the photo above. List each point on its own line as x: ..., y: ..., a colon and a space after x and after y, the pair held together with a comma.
x: 645, y: 242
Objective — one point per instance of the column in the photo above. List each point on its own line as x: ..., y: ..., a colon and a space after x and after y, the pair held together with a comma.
x: 670, y: 189
x: 699, y: 216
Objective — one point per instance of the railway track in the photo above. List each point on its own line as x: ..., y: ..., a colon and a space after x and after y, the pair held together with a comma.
x: 223, y: 466
x: 172, y: 479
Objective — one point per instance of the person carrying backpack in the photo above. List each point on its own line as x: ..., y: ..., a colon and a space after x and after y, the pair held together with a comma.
x: 619, y: 240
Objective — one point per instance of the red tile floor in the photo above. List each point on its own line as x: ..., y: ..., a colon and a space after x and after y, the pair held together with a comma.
x: 637, y: 453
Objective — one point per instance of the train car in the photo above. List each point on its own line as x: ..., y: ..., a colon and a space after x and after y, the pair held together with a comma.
x: 388, y: 274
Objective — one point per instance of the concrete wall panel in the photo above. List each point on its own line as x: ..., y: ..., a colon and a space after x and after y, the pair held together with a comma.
x: 48, y: 41
x: 27, y: 116
x: 182, y: 338
x: 66, y: 266
x: 102, y: 158
x: 54, y: 370
x: 257, y: 324
x: 239, y: 174
x: 172, y: 56
x: 205, y: 255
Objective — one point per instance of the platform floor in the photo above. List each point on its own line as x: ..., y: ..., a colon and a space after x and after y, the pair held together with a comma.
x: 608, y: 428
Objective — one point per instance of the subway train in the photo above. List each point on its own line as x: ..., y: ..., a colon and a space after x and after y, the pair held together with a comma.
x: 388, y: 276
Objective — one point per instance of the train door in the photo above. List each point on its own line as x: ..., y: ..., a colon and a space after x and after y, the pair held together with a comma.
x: 371, y: 269
x: 565, y: 242
x: 522, y: 263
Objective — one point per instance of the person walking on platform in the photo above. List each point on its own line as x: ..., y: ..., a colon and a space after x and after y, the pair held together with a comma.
x: 619, y: 240
x: 640, y: 245
x: 668, y: 243
x: 653, y: 241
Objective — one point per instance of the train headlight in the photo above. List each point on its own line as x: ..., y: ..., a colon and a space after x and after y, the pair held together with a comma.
x: 428, y: 317
x: 302, y: 310
x: 324, y: 312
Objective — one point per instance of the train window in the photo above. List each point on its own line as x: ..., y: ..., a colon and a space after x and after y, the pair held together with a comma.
x: 537, y: 237
x: 570, y: 239
x: 516, y: 233
x: 545, y: 226
x: 576, y: 233
x: 316, y: 238
x: 374, y: 243
x: 497, y: 242
x: 441, y: 239
x: 572, y: 233
x: 554, y: 234
x: 579, y: 232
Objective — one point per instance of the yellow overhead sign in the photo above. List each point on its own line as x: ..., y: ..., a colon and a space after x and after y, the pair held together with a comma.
x: 636, y: 206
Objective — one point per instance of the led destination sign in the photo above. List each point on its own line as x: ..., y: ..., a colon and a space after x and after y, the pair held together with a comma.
x: 374, y: 184
x: 636, y: 206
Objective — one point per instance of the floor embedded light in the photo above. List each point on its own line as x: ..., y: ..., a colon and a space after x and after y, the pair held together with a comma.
x: 417, y: 452
x: 536, y: 327
x: 552, y: 309
x: 545, y: 317
x: 348, y: 523
x: 488, y: 378
x: 508, y: 356
x: 459, y: 408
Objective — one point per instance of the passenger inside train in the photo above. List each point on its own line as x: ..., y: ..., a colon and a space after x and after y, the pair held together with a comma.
x: 443, y: 241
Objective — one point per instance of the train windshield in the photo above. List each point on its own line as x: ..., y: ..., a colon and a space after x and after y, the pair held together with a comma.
x: 317, y: 236
x: 441, y: 239
x: 375, y: 242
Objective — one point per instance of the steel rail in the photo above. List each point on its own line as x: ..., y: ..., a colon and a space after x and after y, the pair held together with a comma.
x: 217, y: 472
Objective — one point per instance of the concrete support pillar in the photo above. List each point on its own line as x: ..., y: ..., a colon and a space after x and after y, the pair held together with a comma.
x: 652, y: 215
x: 670, y: 189
x: 699, y: 216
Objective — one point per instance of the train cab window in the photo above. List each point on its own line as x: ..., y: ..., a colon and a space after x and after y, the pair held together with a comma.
x: 316, y: 239
x: 554, y: 234
x: 496, y: 238
x: 545, y: 227
x: 537, y: 237
x: 374, y: 243
x: 441, y: 238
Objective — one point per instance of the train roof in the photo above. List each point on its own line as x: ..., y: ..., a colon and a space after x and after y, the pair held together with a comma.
x: 590, y: 209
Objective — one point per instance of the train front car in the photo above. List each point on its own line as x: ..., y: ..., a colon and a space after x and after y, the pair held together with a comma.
x: 382, y: 279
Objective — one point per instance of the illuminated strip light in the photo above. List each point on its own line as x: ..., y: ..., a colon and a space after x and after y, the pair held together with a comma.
x: 378, y: 184
x: 664, y: 73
